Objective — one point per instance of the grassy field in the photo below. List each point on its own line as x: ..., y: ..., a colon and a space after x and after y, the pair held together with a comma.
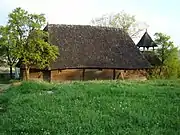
x: 93, y: 108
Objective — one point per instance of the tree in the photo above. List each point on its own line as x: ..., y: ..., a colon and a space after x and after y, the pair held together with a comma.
x: 2, y: 56
x: 179, y: 64
x: 168, y: 55
x: 8, y: 47
x: 1, y: 53
x: 121, y: 20
x: 38, y: 52
x: 34, y: 50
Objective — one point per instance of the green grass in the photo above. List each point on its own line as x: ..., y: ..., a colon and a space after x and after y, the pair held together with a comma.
x: 93, y: 108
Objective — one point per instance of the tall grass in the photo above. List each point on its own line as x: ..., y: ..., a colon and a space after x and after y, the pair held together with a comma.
x: 94, y: 107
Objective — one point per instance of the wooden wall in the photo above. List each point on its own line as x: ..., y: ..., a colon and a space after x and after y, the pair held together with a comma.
x: 68, y: 74
x: 36, y: 74
x: 96, y: 74
x: 77, y: 74
x: 89, y: 74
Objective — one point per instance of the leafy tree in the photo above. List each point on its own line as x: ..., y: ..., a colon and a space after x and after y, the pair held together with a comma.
x: 38, y: 52
x: 2, y: 58
x: 34, y: 50
x: 8, y: 47
x: 121, y: 20
x: 168, y: 55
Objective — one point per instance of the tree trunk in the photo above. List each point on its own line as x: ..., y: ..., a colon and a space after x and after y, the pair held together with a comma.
x: 27, y: 73
x: 11, y: 74
x: 160, y: 71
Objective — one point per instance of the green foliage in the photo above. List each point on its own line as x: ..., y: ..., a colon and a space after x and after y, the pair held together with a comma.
x: 22, y: 39
x: 23, y: 22
x: 107, y: 107
x: 8, y: 45
x: 168, y: 54
x: 121, y: 20
x: 39, y: 52
x: 34, y: 50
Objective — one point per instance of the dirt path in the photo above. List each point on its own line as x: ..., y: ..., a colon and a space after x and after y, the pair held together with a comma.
x: 4, y: 87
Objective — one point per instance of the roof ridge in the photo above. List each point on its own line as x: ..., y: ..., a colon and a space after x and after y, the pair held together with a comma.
x: 92, y: 26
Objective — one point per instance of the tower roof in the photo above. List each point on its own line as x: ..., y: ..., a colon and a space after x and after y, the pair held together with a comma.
x: 146, y: 41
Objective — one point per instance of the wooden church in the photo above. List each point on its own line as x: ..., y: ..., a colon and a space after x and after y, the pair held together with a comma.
x: 95, y: 53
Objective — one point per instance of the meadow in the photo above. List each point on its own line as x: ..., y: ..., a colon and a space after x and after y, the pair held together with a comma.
x: 91, y: 107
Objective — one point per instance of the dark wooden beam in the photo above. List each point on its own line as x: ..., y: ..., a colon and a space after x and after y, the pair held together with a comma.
x: 83, y: 73
x: 118, y: 75
x: 114, y: 74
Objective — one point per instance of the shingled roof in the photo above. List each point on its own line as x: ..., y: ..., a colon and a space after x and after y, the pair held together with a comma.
x: 152, y: 58
x: 84, y: 46
x: 146, y: 41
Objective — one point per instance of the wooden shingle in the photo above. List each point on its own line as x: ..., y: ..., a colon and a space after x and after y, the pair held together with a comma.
x: 84, y: 46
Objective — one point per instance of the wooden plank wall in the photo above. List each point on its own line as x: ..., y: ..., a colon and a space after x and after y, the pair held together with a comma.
x: 95, y: 74
x: 89, y: 74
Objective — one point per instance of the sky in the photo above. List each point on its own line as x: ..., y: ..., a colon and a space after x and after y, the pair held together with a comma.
x: 160, y: 15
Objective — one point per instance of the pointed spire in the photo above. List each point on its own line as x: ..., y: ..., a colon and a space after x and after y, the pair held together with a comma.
x: 146, y: 41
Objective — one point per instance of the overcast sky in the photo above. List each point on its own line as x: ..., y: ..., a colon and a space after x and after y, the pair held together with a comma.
x: 160, y: 15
